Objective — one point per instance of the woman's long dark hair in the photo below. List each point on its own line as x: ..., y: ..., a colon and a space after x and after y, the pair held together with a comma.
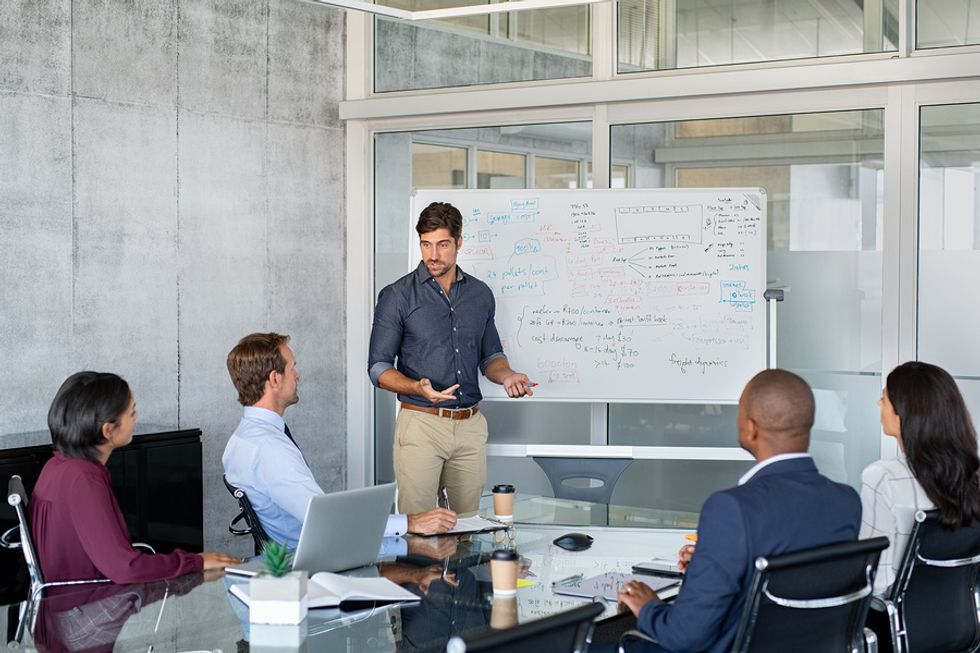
x: 86, y: 401
x: 939, y: 439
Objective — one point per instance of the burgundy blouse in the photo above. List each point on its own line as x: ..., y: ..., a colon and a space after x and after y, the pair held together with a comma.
x: 80, y: 533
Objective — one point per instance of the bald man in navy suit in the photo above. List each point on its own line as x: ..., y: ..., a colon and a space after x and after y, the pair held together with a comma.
x: 783, y: 504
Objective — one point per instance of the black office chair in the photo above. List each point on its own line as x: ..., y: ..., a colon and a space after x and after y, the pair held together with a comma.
x: 934, y: 604
x: 811, y: 601
x: 605, y: 470
x: 253, y: 526
x: 565, y: 632
x: 17, y: 497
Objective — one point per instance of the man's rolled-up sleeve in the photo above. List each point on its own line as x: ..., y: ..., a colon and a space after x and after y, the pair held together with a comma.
x: 490, y: 347
x: 386, y: 335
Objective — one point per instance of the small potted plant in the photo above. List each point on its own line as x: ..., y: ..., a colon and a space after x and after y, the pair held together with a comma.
x: 278, y: 595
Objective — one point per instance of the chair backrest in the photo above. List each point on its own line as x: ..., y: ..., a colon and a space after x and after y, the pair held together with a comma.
x: 17, y: 497
x: 815, y: 600
x: 565, y: 632
x: 935, y: 590
x: 605, y: 470
x: 253, y: 526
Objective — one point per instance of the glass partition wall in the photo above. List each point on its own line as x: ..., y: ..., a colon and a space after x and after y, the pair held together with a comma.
x: 949, y: 243
x: 873, y: 207
x: 513, y: 156
x: 823, y: 177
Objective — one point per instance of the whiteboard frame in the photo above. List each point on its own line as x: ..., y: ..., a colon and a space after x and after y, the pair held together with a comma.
x: 602, y: 401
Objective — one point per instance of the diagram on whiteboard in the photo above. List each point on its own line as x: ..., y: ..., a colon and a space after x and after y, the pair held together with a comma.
x: 622, y: 295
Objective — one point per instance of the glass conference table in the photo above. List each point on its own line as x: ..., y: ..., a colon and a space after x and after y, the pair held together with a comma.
x: 450, y: 574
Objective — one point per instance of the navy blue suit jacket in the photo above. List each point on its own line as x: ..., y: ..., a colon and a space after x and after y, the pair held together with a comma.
x: 786, y: 506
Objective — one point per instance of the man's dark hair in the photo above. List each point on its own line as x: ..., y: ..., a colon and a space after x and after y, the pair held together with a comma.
x: 251, y: 362
x: 440, y: 215
x: 84, y: 402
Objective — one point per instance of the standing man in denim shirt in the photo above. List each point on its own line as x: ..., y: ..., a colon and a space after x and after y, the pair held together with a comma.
x: 438, y: 323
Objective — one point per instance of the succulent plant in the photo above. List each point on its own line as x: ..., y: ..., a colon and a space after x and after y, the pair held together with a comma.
x: 278, y: 558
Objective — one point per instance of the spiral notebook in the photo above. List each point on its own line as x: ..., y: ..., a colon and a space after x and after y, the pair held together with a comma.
x: 607, y: 585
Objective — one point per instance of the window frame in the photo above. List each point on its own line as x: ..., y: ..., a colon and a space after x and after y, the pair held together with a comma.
x: 897, y: 85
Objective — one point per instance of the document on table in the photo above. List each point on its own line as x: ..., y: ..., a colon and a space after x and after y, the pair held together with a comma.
x: 474, y: 524
x: 607, y: 585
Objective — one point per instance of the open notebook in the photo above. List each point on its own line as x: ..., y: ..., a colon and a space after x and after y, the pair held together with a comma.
x: 327, y: 590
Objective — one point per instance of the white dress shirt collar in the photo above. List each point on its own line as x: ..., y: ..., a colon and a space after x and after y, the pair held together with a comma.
x: 265, y: 415
x: 768, y: 461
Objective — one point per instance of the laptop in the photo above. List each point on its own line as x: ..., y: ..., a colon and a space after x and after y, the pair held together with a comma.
x: 341, y: 531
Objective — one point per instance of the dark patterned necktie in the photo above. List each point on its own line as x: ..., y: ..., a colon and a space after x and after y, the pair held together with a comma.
x: 290, y: 435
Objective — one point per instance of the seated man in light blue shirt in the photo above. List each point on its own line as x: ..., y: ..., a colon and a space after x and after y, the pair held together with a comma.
x: 261, y: 456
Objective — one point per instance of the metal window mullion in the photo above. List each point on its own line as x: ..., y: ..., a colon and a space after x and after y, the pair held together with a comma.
x: 599, y: 411
x: 603, y: 35
x: 471, y: 172
x: 894, y: 299
x: 906, y: 27
x: 359, y: 280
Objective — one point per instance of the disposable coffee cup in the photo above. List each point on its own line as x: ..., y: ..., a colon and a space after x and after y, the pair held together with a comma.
x: 503, y: 502
x: 503, y: 612
x: 503, y: 572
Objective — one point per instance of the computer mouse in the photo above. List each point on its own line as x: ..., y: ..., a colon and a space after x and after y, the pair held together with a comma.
x: 573, y: 541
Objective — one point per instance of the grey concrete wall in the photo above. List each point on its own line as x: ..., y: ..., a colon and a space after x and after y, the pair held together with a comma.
x: 171, y: 178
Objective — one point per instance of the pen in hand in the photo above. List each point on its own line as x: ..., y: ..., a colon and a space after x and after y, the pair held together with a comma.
x: 445, y: 498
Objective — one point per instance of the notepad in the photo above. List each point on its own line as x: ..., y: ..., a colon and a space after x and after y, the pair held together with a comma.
x: 607, y: 585
x: 327, y: 590
x: 474, y: 524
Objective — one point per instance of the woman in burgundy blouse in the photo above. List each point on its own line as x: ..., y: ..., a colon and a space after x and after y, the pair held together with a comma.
x: 78, y: 528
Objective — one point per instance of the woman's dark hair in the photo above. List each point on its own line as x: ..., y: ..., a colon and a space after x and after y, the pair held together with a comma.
x: 86, y: 401
x: 939, y: 439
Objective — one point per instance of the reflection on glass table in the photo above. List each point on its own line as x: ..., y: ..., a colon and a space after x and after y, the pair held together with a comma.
x: 450, y: 574
x: 566, y: 512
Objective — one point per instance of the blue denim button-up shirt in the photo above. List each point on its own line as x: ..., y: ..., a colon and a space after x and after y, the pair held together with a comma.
x: 443, y: 339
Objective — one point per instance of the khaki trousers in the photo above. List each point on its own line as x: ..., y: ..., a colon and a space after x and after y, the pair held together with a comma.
x: 432, y: 452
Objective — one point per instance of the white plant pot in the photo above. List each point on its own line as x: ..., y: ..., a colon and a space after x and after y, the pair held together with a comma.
x: 278, y: 638
x: 278, y: 600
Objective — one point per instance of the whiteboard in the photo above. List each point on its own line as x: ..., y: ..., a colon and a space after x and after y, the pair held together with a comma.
x: 652, y: 295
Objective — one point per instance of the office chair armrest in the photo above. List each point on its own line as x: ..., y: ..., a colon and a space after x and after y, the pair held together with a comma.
x: 239, y: 531
x: 144, y: 545
x: 870, y: 641
x: 634, y: 634
x: 7, y: 539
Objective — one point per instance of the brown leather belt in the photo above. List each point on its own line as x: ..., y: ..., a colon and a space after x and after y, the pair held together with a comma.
x: 448, y: 413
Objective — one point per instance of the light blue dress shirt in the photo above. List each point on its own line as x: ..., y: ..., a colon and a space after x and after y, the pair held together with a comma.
x: 263, y: 462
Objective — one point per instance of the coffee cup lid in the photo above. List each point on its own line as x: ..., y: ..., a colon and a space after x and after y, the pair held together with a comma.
x: 504, y: 554
x: 503, y: 488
